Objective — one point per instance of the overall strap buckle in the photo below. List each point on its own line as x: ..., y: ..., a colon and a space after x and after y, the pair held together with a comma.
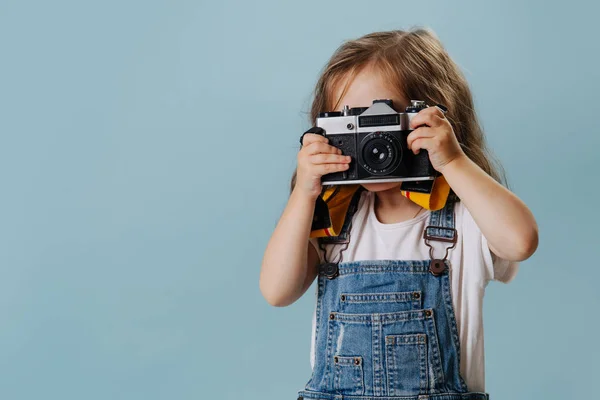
x: 440, y: 234
x: 441, y: 229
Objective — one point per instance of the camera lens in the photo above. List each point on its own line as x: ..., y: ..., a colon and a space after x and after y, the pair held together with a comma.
x: 377, y: 153
x: 380, y: 153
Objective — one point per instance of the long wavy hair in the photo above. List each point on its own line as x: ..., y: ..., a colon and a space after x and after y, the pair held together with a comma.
x: 416, y: 65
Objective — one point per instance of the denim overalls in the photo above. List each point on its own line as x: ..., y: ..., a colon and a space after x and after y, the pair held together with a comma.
x: 386, y: 329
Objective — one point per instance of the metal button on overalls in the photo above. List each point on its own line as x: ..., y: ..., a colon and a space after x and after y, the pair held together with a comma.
x: 330, y: 270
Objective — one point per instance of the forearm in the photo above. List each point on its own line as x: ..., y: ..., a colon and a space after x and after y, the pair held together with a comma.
x: 284, y: 265
x: 505, y: 221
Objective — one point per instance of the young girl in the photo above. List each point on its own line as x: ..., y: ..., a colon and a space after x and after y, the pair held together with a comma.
x: 385, y: 326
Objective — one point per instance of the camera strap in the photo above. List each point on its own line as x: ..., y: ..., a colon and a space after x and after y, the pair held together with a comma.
x: 333, y: 208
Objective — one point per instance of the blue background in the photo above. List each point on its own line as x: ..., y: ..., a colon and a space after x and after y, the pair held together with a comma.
x: 145, y: 155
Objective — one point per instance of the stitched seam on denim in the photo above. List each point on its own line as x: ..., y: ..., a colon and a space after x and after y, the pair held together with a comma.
x: 407, y: 264
x: 413, y: 338
x: 424, y: 361
x: 437, y: 352
x: 336, y: 377
x: 382, y: 297
x: 443, y: 219
x: 385, y: 266
x: 378, y: 353
x: 348, y: 362
x: 453, y: 326
x: 391, y: 371
x: 444, y: 215
x: 391, y: 341
x: 422, y: 366
x: 314, y: 395
x: 381, y: 317
x: 318, y: 320
x: 421, y: 270
x: 438, y: 232
x: 361, y: 372
x: 328, y: 354
x: 452, y: 223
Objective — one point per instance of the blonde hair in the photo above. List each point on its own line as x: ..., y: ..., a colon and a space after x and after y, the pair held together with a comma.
x: 417, y: 66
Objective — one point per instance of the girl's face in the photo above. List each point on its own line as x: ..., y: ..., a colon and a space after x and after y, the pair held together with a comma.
x: 369, y: 85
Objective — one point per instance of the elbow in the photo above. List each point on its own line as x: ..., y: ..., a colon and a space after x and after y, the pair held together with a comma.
x: 275, y: 301
x: 520, y: 248
x: 525, y: 237
x: 272, y: 297
x: 528, y: 245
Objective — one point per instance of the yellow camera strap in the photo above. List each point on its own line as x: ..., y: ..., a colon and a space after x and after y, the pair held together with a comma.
x: 333, y: 205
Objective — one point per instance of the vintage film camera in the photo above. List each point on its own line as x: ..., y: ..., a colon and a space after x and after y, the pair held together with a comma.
x: 375, y: 138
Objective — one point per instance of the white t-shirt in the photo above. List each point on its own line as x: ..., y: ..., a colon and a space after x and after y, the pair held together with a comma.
x: 473, y: 266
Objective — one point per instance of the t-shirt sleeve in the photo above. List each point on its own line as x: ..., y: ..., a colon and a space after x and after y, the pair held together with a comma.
x: 496, y: 268
x: 499, y: 269
x: 315, y: 243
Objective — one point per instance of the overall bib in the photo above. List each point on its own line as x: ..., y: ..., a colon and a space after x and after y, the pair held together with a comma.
x: 386, y: 329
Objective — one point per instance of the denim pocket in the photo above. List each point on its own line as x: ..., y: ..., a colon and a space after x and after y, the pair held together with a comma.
x: 348, y: 375
x: 396, y: 341
x: 383, y: 302
x: 406, y: 364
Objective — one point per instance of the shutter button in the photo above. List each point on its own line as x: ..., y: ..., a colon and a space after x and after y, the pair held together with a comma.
x: 330, y: 270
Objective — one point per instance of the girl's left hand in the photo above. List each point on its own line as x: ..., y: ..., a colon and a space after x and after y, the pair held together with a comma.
x: 437, y: 137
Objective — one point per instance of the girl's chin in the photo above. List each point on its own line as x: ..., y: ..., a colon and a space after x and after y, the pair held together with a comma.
x: 380, y: 187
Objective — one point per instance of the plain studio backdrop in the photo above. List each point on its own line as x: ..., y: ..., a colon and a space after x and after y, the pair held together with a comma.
x: 145, y: 156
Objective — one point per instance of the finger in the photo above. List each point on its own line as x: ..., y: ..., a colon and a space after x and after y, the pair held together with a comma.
x: 329, y: 159
x: 312, y: 138
x: 323, y: 169
x: 422, y: 132
x: 320, y: 147
x: 430, y: 116
x: 425, y: 143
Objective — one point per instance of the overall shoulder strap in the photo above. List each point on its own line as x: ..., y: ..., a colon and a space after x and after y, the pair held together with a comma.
x: 441, y: 223
x: 352, y: 207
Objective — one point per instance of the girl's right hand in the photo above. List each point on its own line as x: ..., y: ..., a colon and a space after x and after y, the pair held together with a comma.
x: 315, y: 159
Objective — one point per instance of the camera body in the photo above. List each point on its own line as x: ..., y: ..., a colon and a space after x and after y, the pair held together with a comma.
x: 375, y: 138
